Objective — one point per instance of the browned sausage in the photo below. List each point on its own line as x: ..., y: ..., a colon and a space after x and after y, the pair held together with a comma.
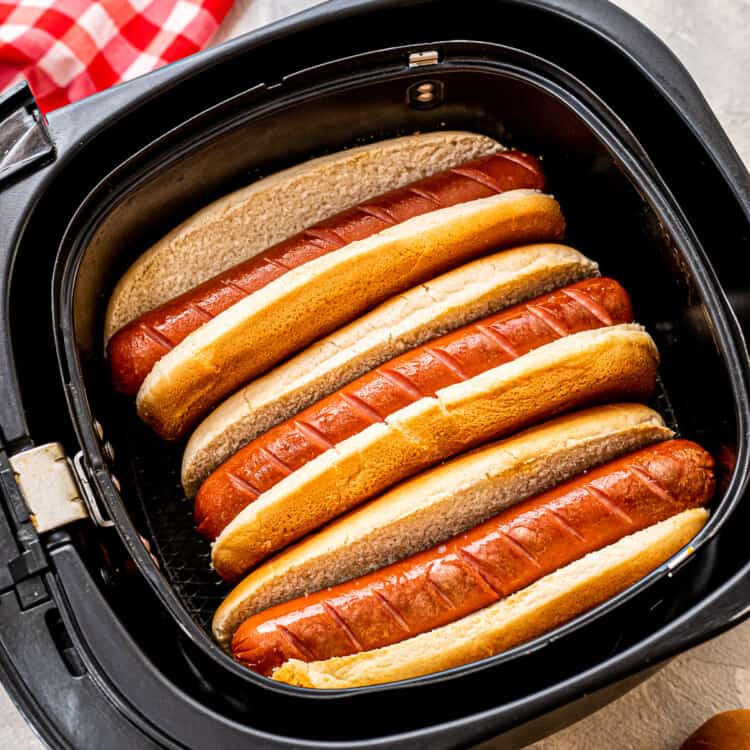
x: 139, y: 345
x: 421, y: 372
x: 480, y: 567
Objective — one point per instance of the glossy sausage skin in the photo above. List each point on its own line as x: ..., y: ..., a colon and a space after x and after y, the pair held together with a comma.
x: 477, y: 568
x: 420, y: 372
x: 139, y: 345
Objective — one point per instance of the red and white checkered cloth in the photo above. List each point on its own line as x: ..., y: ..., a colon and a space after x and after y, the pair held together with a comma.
x: 68, y: 49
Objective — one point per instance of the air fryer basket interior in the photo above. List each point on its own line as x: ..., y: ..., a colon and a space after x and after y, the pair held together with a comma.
x: 616, y: 210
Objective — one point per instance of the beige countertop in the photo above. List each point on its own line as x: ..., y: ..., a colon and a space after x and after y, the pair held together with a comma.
x: 710, y: 37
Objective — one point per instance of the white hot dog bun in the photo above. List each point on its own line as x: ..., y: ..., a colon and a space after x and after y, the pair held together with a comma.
x: 314, y: 299
x: 426, y: 311
x: 546, y: 604
x: 240, y: 225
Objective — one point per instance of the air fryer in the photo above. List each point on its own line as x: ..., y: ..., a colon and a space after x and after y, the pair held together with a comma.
x: 104, y: 621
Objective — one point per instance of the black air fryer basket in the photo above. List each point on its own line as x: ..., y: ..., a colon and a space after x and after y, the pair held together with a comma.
x: 104, y: 622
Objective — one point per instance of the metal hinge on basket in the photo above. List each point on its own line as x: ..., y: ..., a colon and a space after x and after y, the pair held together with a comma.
x: 56, y: 490
x: 425, y: 57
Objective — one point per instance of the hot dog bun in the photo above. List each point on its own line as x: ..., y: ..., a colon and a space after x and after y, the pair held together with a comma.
x: 424, y: 312
x: 441, y: 503
x: 610, y: 363
x: 245, y: 222
x: 540, y: 607
x: 314, y: 299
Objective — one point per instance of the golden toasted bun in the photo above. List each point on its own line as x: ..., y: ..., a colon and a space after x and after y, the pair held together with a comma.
x: 247, y: 221
x: 316, y: 298
x: 606, y: 364
x: 729, y: 730
x: 544, y: 605
x: 441, y: 503
x: 429, y: 310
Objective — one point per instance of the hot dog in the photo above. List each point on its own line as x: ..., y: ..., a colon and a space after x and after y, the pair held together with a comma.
x: 138, y: 346
x: 240, y: 225
x: 313, y: 299
x: 417, y: 374
x: 539, y: 608
x: 440, y: 503
x: 588, y: 367
x: 484, y: 565
x: 429, y: 310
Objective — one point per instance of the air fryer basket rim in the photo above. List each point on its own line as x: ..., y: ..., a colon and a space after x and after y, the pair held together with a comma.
x: 638, y: 166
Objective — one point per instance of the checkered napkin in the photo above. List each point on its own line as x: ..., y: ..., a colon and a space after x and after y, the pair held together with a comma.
x: 68, y: 49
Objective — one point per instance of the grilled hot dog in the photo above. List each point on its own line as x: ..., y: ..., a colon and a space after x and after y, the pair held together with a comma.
x: 135, y: 348
x: 421, y: 372
x: 480, y: 567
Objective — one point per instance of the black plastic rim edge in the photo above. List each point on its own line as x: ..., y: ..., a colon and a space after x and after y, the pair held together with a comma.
x: 663, y: 204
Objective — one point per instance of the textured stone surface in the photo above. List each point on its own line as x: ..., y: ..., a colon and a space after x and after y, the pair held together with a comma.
x: 710, y: 37
x: 665, y: 710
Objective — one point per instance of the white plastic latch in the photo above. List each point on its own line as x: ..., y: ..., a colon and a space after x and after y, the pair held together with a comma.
x: 47, y: 483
